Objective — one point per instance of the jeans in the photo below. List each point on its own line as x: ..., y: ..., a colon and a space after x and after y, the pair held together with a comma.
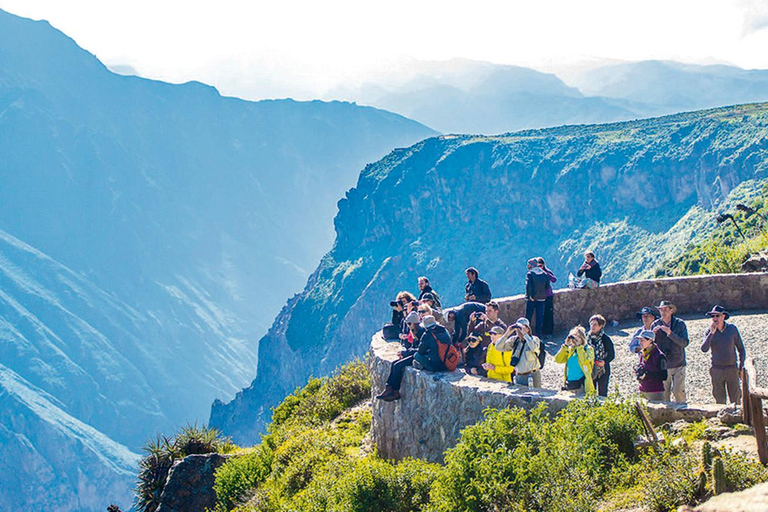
x: 723, y: 378
x: 537, y: 307
x: 675, y: 384
x: 397, y: 371
x: 601, y: 384
x: 548, y: 326
x: 522, y: 380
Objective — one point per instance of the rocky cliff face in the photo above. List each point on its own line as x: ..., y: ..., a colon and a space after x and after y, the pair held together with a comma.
x: 634, y: 192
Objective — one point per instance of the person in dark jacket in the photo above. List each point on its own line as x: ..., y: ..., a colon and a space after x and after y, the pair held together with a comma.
x: 672, y: 338
x: 476, y: 290
x: 590, y: 269
x: 725, y: 342
x: 426, y: 289
x: 651, y: 370
x: 426, y: 357
x: 604, y: 354
x: 460, y: 318
x: 474, y: 356
x: 398, y: 307
x: 548, y: 327
x: 536, y: 284
x: 480, y: 323
x: 415, y: 331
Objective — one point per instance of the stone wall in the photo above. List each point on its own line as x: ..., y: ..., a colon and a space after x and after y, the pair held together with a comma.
x: 437, y: 406
x: 620, y: 301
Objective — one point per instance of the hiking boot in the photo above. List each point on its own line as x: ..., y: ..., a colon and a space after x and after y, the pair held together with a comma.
x: 387, y: 391
x: 391, y: 397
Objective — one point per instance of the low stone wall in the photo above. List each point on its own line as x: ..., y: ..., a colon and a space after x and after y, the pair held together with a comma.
x: 620, y: 301
x: 437, y: 406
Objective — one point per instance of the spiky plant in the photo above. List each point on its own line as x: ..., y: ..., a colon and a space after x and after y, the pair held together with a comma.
x: 153, y: 473
x: 718, y: 476
x: 706, y: 456
x: 194, y: 440
x: 113, y: 508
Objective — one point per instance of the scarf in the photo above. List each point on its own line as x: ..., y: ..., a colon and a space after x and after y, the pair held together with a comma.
x: 646, y: 352
x: 596, y: 340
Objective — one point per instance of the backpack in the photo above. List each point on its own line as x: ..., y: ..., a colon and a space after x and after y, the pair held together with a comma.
x: 391, y: 332
x: 448, y: 354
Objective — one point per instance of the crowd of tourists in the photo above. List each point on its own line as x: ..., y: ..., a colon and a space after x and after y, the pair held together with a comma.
x: 472, y: 338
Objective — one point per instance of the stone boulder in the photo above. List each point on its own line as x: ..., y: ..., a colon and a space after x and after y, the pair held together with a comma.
x: 756, y: 263
x: 189, y: 487
x: 751, y: 500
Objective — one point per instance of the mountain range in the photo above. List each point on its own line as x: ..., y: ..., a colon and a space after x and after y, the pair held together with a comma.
x: 149, y: 233
x: 636, y: 193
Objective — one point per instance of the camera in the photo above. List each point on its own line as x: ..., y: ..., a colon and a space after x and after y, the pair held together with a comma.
x: 395, y: 303
x: 640, y: 372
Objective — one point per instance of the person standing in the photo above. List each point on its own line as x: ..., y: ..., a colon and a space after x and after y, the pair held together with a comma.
x: 724, y: 340
x: 604, y: 354
x: 578, y: 357
x: 672, y: 338
x: 476, y: 290
x: 536, y: 284
x: 591, y: 270
x: 651, y: 370
x: 647, y: 316
x: 425, y: 289
x: 525, y: 355
x: 548, y: 328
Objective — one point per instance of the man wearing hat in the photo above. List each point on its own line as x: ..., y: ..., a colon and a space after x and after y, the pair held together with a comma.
x: 647, y: 315
x: 672, y: 338
x: 725, y: 342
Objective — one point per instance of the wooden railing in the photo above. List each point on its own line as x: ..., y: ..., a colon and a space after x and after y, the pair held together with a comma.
x: 752, y: 407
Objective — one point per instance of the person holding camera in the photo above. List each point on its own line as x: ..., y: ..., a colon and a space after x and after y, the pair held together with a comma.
x: 647, y: 316
x: 460, y: 317
x: 726, y: 344
x: 415, y: 331
x: 498, y: 357
x: 476, y: 290
x: 525, y: 354
x: 480, y: 323
x: 578, y: 357
x: 591, y: 270
x: 651, y: 371
x: 398, y: 307
x: 474, y: 356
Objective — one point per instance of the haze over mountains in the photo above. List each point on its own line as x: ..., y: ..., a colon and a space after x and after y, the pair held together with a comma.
x: 148, y: 234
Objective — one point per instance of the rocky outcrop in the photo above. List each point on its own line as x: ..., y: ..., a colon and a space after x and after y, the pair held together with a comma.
x: 189, y: 487
x: 637, y: 193
x: 756, y: 263
x: 754, y: 499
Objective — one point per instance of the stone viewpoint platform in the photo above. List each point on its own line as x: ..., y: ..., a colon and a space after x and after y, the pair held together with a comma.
x: 436, y: 406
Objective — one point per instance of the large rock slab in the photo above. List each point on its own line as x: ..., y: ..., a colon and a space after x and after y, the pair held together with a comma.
x: 751, y: 500
x: 190, y: 484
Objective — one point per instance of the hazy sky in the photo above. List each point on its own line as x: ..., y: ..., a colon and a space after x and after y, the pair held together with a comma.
x: 304, y: 48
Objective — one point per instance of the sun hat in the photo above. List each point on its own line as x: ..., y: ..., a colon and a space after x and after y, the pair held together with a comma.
x: 428, y: 321
x: 645, y: 310
x: 718, y: 310
x: 412, y: 318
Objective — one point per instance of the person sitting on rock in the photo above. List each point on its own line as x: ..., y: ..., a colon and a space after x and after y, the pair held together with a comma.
x: 480, y: 323
x: 460, y: 318
x: 427, y: 357
x: 604, y: 353
x: 672, y: 338
x: 476, y: 290
x: 498, y: 362
x: 429, y: 300
x: 474, y: 356
x: 525, y: 354
x: 426, y: 289
x: 647, y: 316
x: 591, y: 270
x: 399, y: 305
x: 415, y: 331
x: 725, y: 342
x: 651, y: 370
x: 578, y: 357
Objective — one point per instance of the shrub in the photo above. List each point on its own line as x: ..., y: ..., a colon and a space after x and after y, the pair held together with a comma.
x: 239, y: 475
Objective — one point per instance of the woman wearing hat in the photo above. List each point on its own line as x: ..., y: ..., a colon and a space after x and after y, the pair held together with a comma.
x: 651, y: 371
x: 672, y: 338
x: 724, y: 340
x: 498, y: 358
x: 578, y: 357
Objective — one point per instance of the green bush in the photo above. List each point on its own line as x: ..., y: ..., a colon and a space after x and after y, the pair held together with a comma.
x: 742, y: 471
x: 239, y: 475
x: 670, y: 481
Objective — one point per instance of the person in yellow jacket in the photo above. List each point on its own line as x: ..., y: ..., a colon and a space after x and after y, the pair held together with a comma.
x: 498, y: 361
x: 578, y: 357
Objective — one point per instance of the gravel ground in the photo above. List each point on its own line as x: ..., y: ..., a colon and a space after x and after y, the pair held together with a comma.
x: 754, y: 331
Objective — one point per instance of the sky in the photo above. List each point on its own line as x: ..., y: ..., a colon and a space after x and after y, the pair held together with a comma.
x: 304, y: 49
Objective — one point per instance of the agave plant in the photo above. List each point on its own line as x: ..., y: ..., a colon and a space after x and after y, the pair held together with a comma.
x: 153, y: 472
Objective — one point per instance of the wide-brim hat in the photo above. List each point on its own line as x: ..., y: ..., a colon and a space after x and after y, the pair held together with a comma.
x: 666, y: 304
x: 718, y: 310
x: 645, y: 310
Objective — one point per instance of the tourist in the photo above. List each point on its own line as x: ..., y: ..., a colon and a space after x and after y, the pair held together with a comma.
x: 460, y: 318
x: 434, y: 304
x: 651, y: 370
x: 548, y: 327
x: 647, y: 316
x: 591, y: 270
x: 426, y: 289
x: 398, y: 305
x: 725, y: 342
x: 480, y: 323
x: 415, y: 331
x: 427, y: 357
x: 578, y: 357
x: 474, y: 356
x: 672, y: 338
x: 498, y: 362
x: 525, y: 355
x: 604, y: 354
x: 476, y: 290
x: 536, y: 284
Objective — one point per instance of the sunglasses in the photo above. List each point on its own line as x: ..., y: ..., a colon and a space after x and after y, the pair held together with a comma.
x: 571, y: 338
x: 422, y: 310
